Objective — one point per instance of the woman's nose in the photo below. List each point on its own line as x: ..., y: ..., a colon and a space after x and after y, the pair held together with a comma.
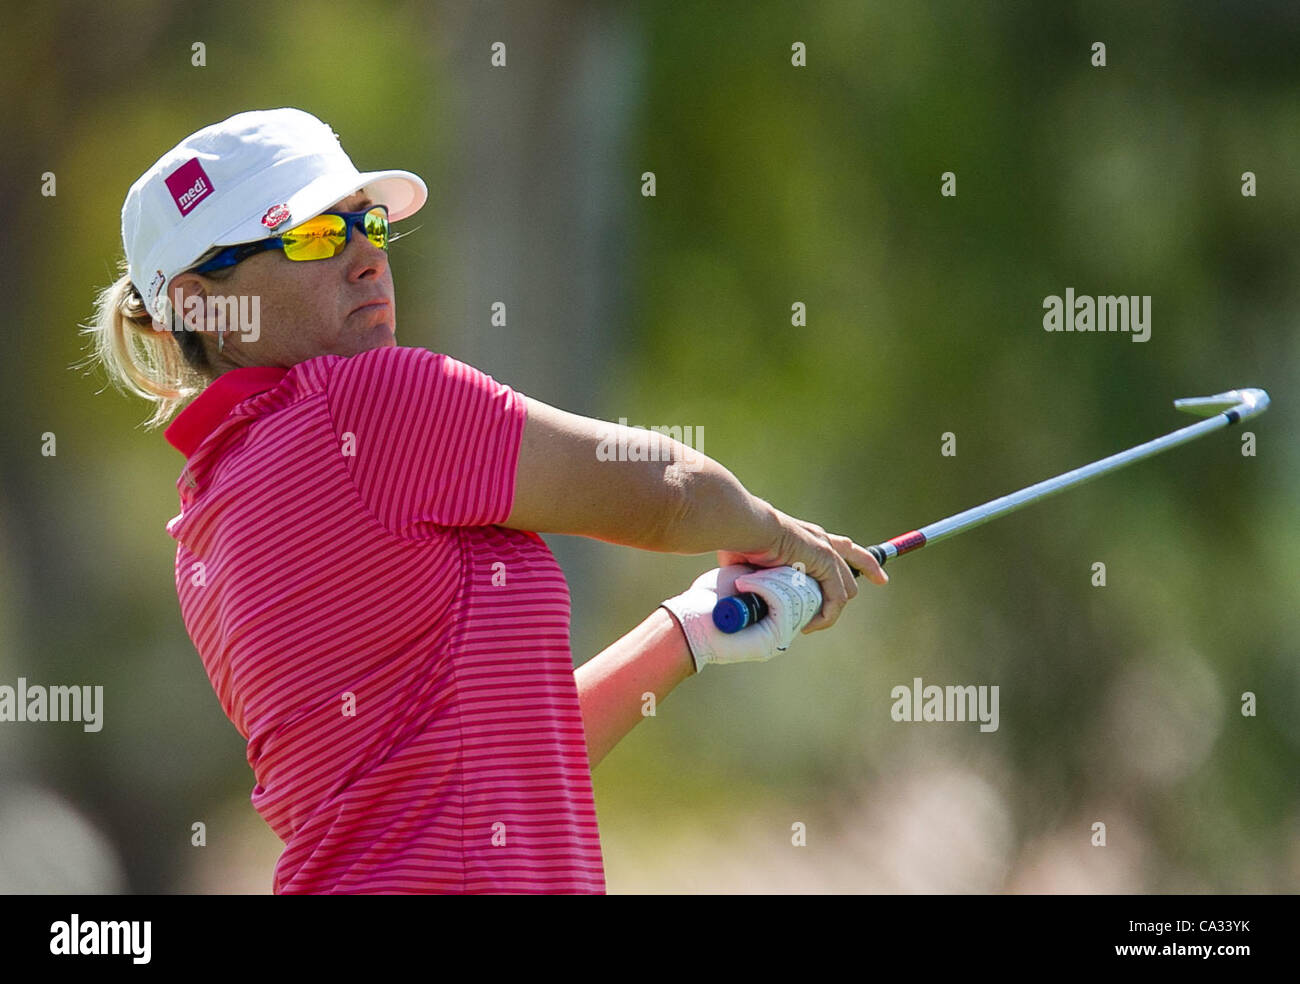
x: 364, y: 255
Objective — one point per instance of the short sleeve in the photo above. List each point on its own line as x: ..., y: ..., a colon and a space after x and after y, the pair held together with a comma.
x: 428, y: 440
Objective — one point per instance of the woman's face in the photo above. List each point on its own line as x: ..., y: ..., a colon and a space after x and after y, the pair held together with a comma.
x: 340, y: 306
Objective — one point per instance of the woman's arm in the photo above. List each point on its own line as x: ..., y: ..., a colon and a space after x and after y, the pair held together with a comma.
x: 683, y: 503
x: 652, y: 658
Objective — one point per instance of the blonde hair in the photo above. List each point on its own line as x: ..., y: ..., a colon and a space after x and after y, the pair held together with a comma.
x: 140, y: 356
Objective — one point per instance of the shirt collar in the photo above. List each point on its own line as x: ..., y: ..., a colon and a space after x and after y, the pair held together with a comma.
x: 210, y: 407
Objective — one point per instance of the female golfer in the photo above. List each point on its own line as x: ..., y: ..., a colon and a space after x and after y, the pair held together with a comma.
x: 357, y: 561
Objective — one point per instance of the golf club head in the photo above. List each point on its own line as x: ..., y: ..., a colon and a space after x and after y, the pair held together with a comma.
x: 1247, y: 403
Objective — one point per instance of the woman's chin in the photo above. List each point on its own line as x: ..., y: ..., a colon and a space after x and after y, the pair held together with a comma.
x: 381, y: 335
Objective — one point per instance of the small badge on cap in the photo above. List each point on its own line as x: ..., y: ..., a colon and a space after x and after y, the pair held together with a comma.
x: 276, y: 216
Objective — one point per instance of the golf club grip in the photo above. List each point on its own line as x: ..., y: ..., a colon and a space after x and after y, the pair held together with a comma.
x: 741, y: 610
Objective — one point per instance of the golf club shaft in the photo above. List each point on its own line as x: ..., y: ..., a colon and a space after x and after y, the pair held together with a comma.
x: 731, y: 616
x: 981, y: 514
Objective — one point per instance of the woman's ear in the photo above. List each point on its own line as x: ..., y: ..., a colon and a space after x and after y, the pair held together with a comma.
x: 187, y: 297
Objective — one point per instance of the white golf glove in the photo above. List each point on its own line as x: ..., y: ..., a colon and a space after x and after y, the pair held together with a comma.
x: 792, y: 598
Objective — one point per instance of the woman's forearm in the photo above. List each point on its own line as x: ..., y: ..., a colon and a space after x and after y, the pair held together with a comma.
x: 717, y: 512
x: 613, y: 685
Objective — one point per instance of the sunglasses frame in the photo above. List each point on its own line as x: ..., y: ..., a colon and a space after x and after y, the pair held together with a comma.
x: 232, y: 255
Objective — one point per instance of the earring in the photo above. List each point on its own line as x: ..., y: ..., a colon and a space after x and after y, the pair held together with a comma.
x: 221, y: 341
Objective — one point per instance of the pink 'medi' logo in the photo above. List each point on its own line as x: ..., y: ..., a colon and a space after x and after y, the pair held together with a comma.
x: 189, y: 185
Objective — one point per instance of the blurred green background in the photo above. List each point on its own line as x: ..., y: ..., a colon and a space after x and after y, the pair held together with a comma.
x: 775, y: 185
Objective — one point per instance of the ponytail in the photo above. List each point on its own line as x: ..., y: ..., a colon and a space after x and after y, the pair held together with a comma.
x: 167, y: 368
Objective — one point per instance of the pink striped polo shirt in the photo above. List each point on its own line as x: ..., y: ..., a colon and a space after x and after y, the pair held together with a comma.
x: 398, y: 663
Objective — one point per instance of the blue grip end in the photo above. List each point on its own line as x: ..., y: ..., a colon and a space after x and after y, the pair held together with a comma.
x: 739, y: 611
x: 730, y: 614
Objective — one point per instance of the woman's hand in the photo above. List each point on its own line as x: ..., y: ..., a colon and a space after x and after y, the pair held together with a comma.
x: 792, y: 599
x: 824, y: 557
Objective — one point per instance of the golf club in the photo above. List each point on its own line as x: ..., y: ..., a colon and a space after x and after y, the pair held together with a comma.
x: 1224, y: 409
